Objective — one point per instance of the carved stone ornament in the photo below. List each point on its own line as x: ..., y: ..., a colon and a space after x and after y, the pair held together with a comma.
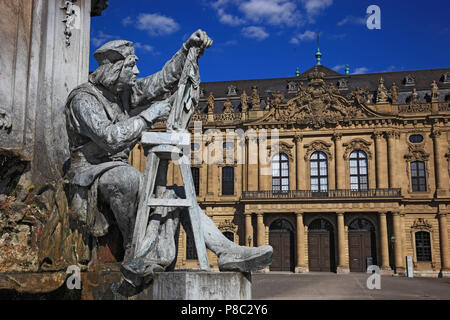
x: 357, y: 144
x: 198, y: 116
x: 318, y: 146
x: 342, y: 84
x: 255, y: 99
x: 434, y: 91
x: 5, y: 120
x: 227, y: 225
x: 283, y: 147
x: 421, y: 224
x: 244, y: 101
x: 394, y: 93
x: 382, y: 96
x: 318, y: 105
x: 416, y: 152
x: 210, y: 103
x: 228, y: 113
x: 70, y: 15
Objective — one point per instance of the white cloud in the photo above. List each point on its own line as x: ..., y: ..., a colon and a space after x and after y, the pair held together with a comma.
x: 274, y: 12
x: 229, y: 19
x: 127, y: 21
x: 313, y: 7
x: 339, y: 67
x: 305, y: 36
x: 361, y: 70
x: 390, y: 69
x: 254, y: 32
x: 101, y: 38
x: 352, y: 20
x: 144, y: 47
x: 156, y: 24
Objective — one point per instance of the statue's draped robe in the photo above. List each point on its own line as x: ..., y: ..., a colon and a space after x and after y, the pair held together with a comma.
x: 102, y: 133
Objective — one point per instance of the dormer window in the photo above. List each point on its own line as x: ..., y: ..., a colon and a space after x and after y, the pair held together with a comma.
x: 232, y: 91
x: 342, y: 84
x: 292, y: 86
x: 409, y: 80
x: 446, y: 77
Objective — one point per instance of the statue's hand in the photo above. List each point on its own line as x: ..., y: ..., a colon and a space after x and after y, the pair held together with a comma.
x: 156, y: 112
x: 199, y: 39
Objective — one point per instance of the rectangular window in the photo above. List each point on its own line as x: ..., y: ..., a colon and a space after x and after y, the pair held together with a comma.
x: 418, y: 176
x: 228, y: 181
x: 196, y: 178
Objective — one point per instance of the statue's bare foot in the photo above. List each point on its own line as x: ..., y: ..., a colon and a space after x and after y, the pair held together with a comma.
x: 246, y: 259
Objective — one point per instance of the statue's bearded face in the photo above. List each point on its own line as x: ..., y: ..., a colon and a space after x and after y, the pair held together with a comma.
x: 128, y: 74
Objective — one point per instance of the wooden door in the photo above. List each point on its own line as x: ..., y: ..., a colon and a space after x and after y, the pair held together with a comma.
x: 359, y: 246
x: 281, y: 241
x: 319, y: 251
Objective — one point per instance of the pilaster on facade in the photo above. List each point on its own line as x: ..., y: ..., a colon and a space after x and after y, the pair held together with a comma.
x: 343, y: 266
x: 441, y: 172
x: 301, y: 266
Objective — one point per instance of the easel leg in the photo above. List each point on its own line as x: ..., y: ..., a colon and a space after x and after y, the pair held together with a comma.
x: 140, y: 228
x: 194, y: 215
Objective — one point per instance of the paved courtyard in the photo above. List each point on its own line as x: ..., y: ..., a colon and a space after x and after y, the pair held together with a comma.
x: 318, y: 286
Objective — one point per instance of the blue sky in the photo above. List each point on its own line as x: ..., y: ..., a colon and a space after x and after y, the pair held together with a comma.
x: 256, y: 39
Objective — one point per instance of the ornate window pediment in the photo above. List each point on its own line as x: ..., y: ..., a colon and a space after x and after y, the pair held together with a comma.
x: 318, y: 146
x: 421, y: 224
x: 409, y: 80
x: 283, y: 147
x: 357, y: 144
x: 227, y: 225
x: 416, y: 153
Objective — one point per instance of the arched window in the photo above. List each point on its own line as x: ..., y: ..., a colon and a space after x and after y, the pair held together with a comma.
x: 280, y: 173
x: 228, y: 180
x: 191, y: 251
x: 196, y: 178
x: 358, y: 171
x: 319, y: 171
x: 229, y: 235
x: 418, y: 176
x: 423, y: 246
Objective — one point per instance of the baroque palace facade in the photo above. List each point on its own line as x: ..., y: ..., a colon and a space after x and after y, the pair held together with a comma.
x: 360, y: 176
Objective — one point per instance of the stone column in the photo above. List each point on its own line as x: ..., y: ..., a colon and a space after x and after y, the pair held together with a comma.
x: 399, y: 262
x: 261, y: 230
x: 248, y: 230
x: 443, y: 240
x: 381, y: 165
x: 301, y: 266
x: 442, y: 179
x: 384, y: 241
x: 252, y: 164
x: 392, y: 156
x: 342, y: 266
x: 339, y: 162
x: 298, y: 139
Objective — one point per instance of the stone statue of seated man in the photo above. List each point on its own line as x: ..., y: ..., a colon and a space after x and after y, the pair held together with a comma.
x: 102, y: 132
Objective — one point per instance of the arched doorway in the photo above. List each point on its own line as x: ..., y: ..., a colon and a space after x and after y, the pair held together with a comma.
x: 321, y: 253
x: 281, y: 238
x: 361, y: 245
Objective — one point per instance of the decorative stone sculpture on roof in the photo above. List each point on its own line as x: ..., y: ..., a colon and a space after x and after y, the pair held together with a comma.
x: 382, y: 96
x: 394, y: 93
x: 255, y: 99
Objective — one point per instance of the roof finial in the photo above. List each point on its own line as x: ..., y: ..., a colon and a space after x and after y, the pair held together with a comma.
x: 297, y: 73
x: 318, y: 54
x: 347, y: 69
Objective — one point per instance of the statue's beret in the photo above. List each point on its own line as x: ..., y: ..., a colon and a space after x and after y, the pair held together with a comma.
x: 113, y: 51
